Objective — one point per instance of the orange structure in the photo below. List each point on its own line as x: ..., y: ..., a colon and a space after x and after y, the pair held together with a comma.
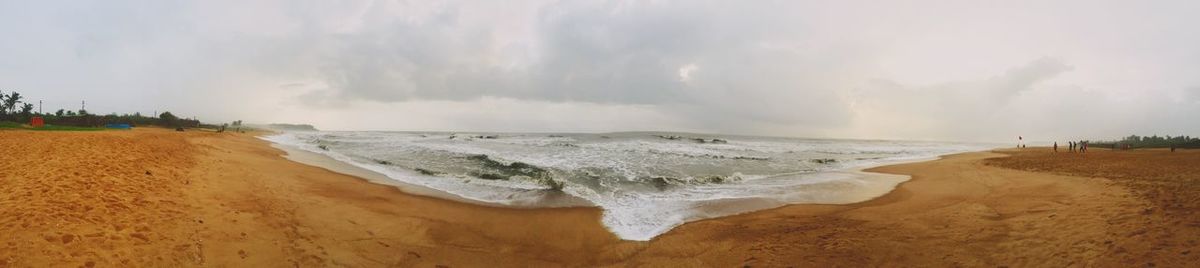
x: 37, y: 121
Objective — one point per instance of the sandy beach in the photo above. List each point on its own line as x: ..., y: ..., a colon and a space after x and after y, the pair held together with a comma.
x: 154, y: 197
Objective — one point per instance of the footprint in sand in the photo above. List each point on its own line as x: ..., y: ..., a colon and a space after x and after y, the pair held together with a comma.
x: 140, y: 236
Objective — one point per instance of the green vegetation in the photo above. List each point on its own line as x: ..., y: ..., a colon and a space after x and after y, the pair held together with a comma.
x: 1135, y: 141
x: 65, y: 128
x: 15, y: 112
x: 11, y: 125
x: 11, y: 107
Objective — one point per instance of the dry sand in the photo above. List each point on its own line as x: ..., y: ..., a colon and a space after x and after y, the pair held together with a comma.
x: 153, y: 197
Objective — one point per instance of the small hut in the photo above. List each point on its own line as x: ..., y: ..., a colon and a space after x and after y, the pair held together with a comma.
x: 37, y: 121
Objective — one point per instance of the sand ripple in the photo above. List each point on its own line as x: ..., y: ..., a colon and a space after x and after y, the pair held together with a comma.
x: 93, y: 198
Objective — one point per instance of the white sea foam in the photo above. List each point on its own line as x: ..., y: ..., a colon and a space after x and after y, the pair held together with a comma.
x: 645, y: 182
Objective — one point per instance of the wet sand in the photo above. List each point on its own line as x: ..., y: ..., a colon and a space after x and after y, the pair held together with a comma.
x: 152, y: 197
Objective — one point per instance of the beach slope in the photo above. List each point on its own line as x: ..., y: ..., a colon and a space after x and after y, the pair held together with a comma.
x: 153, y: 197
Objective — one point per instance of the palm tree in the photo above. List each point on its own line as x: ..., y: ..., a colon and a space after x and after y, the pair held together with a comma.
x: 10, y: 104
x: 3, y: 108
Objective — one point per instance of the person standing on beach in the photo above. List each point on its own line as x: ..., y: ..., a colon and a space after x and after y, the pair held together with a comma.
x: 1056, y: 147
x: 1071, y: 145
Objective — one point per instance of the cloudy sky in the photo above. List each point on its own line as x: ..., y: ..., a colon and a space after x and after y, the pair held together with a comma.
x: 928, y: 70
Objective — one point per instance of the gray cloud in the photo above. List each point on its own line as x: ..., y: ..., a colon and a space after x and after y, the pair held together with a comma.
x: 743, y: 72
x: 971, y: 108
x: 773, y: 67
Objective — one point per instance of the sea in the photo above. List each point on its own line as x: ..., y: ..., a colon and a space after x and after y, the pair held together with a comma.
x: 645, y: 182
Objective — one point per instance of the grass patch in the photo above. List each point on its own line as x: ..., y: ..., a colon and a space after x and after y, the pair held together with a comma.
x: 65, y: 128
x: 14, y: 125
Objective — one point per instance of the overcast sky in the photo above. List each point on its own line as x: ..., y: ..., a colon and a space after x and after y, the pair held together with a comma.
x: 927, y: 70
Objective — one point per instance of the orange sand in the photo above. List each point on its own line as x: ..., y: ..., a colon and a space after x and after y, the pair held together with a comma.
x: 153, y: 197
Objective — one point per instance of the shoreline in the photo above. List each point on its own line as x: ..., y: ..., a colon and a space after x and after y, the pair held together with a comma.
x: 880, y: 185
x: 155, y: 197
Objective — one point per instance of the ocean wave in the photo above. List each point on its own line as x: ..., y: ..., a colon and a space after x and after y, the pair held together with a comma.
x: 646, y: 183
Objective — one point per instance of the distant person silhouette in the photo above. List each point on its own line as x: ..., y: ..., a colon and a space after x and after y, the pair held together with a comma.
x: 1056, y: 147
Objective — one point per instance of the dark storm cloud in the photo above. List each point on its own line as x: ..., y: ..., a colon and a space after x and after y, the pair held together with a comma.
x: 743, y: 67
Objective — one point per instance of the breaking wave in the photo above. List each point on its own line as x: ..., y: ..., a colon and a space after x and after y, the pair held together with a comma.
x: 647, y: 183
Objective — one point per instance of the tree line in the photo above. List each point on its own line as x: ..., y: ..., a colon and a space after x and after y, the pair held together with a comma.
x: 1155, y: 141
x: 14, y: 108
